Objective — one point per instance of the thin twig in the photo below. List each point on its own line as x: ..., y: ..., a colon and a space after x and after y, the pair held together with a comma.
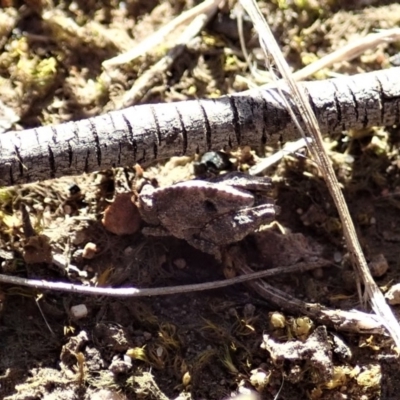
x: 348, y: 321
x: 163, y: 291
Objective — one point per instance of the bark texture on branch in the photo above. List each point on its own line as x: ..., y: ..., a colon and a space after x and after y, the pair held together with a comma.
x: 141, y: 134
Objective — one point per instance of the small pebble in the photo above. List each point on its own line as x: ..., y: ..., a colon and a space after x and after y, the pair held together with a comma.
x: 77, y: 255
x: 232, y: 312
x: 147, y: 336
x: 180, y: 263
x: 159, y: 351
x: 249, y: 310
x: 67, y: 209
x: 89, y: 251
x: 122, y: 216
x: 79, y: 311
x: 337, y: 256
x: 378, y: 266
x: 393, y: 295
x: 118, y: 367
x: 129, y: 251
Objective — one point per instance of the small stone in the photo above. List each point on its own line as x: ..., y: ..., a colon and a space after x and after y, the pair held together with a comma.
x: 249, y: 310
x: 180, y: 263
x: 79, y: 311
x: 232, y: 312
x: 159, y: 351
x: 122, y: 216
x: 378, y: 266
x: 67, y: 209
x: 38, y: 207
x: 147, y: 336
x: 129, y: 251
x: 393, y: 295
x: 89, y: 250
x: 337, y: 256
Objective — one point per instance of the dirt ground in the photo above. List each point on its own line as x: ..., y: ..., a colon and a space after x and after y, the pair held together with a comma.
x: 203, y: 345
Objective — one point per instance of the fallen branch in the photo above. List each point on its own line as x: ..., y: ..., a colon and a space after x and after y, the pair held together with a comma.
x: 144, y: 133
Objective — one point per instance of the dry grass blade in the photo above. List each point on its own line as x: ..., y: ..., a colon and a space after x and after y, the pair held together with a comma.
x: 207, y: 7
x: 348, y: 52
x: 150, y: 78
x: 372, y: 292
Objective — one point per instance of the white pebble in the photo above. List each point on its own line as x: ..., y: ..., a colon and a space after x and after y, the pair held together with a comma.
x: 79, y: 311
x: 393, y: 295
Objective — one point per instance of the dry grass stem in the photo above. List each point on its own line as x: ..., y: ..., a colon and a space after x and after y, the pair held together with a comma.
x: 372, y: 292
x: 288, y: 148
x: 208, y: 8
x: 152, y: 76
x: 349, y: 52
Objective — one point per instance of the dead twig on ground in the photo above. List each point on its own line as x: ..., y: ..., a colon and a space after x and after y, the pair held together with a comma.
x: 341, y: 320
x: 136, y: 292
x: 349, y: 321
x: 145, y: 133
